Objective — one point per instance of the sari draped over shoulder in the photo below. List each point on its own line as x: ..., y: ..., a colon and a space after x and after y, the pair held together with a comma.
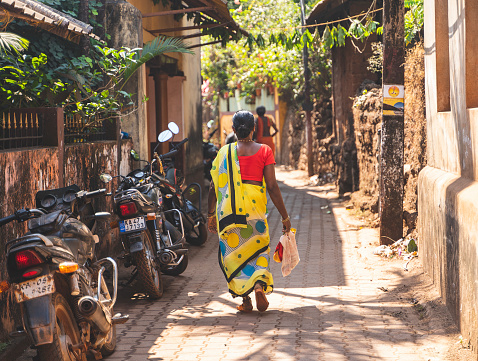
x: 242, y: 226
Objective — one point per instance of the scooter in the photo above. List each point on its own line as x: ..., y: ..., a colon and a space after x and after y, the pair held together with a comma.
x: 66, y: 305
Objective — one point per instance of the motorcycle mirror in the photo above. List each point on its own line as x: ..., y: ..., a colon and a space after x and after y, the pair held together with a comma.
x: 105, y: 178
x: 173, y: 127
x: 165, y: 136
x: 134, y: 154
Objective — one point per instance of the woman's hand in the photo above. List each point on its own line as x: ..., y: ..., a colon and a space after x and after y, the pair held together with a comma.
x: 212, y: 224
x: 286, y: 226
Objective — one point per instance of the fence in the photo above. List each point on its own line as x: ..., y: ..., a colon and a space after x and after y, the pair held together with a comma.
x: 21, y: 129
x: 78, y: 130
x: 37, y: 127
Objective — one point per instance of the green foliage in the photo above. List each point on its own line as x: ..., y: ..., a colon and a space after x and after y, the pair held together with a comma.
x: 57, y: 49
x: 375, y: 62
x: 413, y: 19
x: 275, y: 58
x: 12, y: 42
x: 159, y: 45
x: 90, y: 86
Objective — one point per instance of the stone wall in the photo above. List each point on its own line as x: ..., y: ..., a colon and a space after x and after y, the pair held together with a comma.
x: 367, y: 112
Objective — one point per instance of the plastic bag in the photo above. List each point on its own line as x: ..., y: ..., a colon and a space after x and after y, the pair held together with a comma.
x: 290, y: 254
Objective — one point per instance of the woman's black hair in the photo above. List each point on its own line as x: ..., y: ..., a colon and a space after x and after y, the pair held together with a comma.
x: 261, y: 110
x: 243, y: 123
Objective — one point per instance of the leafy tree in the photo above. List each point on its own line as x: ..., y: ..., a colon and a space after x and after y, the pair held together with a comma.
x: 87, y: 81
x: 90, y: 86
x: 251, y: 65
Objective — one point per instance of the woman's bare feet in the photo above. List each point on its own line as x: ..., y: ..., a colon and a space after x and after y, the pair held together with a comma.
x: 246, y: 305
x: 261, y: 299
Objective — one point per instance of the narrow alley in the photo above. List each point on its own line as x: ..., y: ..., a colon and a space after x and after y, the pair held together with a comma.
x: 340, y: 303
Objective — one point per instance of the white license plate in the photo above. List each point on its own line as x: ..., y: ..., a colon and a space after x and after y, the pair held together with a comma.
x: 133, y: 224
x: 37, y: 287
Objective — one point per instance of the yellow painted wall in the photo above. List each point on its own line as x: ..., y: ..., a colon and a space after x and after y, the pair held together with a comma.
x: 190, y: 64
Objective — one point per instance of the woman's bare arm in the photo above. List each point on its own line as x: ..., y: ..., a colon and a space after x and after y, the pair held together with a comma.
x: 275, y: 128
x: 276, y: 195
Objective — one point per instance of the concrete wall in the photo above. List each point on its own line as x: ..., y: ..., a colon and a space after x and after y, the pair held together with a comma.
x: 448, y: 197
x: 123, y: 23
x: 349, y: 70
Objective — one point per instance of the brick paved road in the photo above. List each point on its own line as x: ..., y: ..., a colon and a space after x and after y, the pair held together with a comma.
x: 329, y: 308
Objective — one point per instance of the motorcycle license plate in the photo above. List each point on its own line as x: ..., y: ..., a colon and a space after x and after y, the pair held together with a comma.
x: 133, y: 224
x: 37, y: 287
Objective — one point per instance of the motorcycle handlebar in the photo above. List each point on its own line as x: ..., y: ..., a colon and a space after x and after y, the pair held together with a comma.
x: 7, y: 219
x: 20, y: 215
x: 175, y: 150
x: 92, y: 194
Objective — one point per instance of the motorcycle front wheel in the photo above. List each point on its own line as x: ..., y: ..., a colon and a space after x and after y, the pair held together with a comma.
x: 198, y: 240
x: 66, y: 334
x: 148, y: 272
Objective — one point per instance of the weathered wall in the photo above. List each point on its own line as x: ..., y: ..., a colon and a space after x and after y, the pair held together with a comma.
x: 367, y: 112
x: 124, y: 24
x: 22, y: 174
x: 25, y: 172
x: 367, y: 122
x: 293, y: 138
x: 448, y: 210
x: 448, y: 187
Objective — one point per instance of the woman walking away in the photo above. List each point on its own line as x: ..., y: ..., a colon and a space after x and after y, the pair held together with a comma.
x: 263, y: 128
x: 237, y: 211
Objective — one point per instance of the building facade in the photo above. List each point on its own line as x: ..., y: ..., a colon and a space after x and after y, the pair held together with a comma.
x: 448, y: 186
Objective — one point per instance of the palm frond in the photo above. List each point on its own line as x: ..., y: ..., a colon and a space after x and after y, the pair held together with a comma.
x: 10, y: 41
x: 158, y: 46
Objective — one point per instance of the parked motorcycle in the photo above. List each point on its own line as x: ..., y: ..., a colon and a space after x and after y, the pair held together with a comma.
x: 66, y: 306
x: 171, y: 182
x: 150, y: 243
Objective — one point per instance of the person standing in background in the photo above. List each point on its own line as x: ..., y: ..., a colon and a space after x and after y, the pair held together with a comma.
x: 263, y: 128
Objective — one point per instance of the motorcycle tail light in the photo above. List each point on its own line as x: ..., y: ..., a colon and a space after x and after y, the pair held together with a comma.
x: 4, y: 285
x: 128, y: 209
x: 27, y: 258
x: 32, y: 273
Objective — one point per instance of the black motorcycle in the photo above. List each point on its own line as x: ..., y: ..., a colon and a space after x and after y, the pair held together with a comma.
x: 150, y: 243
x: 66, y: 307
x: 187, y: 201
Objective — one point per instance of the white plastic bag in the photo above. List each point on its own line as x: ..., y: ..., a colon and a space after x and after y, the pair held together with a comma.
x: 290, y: 257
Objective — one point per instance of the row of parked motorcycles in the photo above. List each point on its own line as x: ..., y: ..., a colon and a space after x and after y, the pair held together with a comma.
x: 66, y: 294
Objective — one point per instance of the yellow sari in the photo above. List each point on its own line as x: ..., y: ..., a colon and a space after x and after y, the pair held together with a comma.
x: 242, y: 226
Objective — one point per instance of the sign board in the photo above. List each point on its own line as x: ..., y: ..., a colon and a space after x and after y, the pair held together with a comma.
x: 393, y: 99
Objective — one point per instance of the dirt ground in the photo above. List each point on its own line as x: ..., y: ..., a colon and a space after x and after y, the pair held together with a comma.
x: 416, y: 298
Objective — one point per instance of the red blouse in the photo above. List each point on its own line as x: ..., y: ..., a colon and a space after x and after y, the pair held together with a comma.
x: 252, y: 166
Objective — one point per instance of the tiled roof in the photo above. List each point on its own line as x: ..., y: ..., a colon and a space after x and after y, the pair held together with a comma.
x: 47, y: 18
